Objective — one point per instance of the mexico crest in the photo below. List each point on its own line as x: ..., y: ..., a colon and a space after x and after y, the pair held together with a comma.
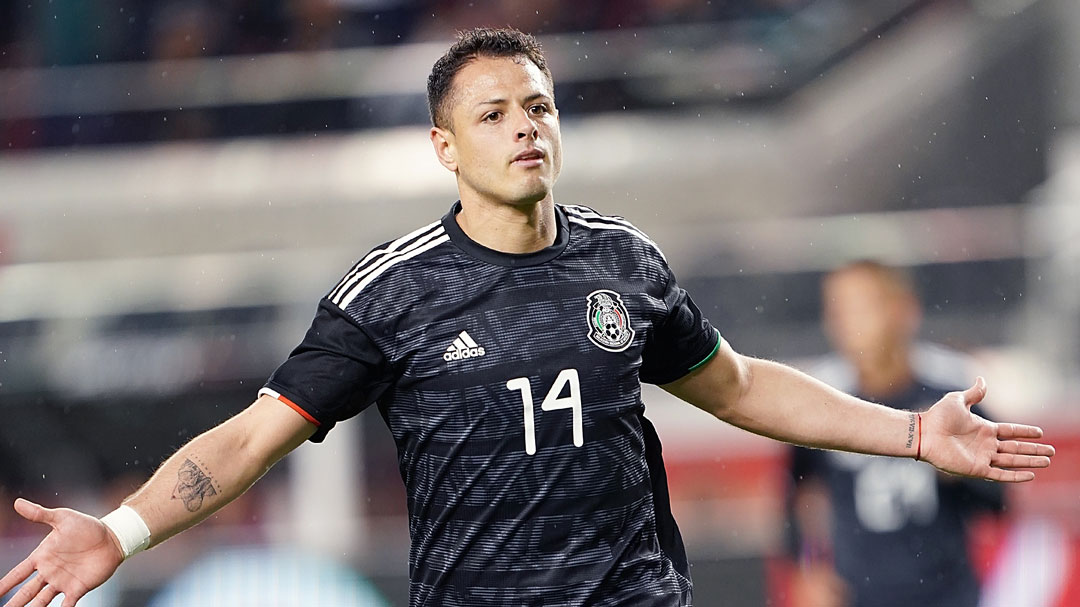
x: 609, y: 323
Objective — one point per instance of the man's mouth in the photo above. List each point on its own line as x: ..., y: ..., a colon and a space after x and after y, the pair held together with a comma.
x: 529, y: 158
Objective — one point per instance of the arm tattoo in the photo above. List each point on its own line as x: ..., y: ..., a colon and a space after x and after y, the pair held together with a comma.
x: 910, y: 430
x: 193, y: 486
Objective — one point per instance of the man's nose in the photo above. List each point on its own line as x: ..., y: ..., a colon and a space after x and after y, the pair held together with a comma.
x: 527, y: 129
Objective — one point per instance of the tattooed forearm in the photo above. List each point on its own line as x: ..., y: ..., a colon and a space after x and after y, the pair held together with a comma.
x: 193, y: 485
x: 910, y: 430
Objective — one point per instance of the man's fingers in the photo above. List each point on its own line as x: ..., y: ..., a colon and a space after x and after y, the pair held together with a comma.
x: 1019, y: 431
x: 975, y: 393
x: 1010, y: 476
x: 43, y: 598
x: 16, y: 576
x: 33, y: 512
x: 70, y: 598
x: 1025, y: 448
x: 1011, y: 460
x: 29, y: 590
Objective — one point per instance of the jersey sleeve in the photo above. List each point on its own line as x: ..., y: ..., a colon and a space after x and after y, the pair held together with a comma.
x: 681, y: 341
x: 335, y: 373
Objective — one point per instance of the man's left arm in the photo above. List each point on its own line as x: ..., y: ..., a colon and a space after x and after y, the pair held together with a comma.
x: 779, y: 402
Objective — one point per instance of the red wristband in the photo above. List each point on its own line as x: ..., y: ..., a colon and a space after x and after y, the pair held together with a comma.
x: 918, y: 448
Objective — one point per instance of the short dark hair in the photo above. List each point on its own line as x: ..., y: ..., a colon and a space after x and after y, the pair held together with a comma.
x: 479, y: 42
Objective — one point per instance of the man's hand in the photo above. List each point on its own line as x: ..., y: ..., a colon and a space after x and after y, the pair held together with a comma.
x: 78, y: 555
x: 959, y: 442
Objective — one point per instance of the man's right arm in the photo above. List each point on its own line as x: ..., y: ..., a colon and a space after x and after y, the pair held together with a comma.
x: 80, y: 552
x: 218, y: 466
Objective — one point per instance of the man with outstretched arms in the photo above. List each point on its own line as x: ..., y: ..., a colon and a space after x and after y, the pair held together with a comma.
x: 505, y: 345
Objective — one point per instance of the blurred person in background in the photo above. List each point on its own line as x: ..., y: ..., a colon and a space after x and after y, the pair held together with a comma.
x: 505, y: 345
x: 870, y: 531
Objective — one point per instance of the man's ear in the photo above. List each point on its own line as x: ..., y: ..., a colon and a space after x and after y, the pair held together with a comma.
x: 443, y: 142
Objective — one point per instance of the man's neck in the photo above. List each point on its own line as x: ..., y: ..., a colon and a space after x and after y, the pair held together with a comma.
x: 509, y: 228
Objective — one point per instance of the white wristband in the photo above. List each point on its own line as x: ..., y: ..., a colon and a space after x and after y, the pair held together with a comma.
x: 129, y: 528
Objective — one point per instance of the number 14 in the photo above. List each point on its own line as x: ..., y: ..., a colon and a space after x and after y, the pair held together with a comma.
x: 551, y: 402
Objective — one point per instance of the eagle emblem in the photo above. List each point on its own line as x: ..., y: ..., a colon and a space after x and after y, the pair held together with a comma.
x: 608, y: 320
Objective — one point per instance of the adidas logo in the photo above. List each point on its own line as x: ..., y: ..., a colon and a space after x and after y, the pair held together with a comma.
x: 463, y: 347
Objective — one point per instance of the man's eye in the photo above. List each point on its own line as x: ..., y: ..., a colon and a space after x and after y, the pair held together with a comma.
x: 492, y: 116
x: 539, y: 109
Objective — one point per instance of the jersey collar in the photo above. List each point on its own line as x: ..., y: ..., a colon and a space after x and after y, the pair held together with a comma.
x: 510, y: 260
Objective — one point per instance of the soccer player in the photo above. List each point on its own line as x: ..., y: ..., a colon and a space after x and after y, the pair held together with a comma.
x: 890, y: 532
x: 504, y: 345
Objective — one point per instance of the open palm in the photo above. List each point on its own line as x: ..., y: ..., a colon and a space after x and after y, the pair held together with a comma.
x: 956, y: 440
x: 78, y: 555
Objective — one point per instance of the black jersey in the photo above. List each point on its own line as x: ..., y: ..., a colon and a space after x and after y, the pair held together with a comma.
x: 511, y: 385
x: 898, y: 528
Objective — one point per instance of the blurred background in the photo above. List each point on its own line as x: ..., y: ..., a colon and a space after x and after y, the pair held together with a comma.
x: 181, y: 180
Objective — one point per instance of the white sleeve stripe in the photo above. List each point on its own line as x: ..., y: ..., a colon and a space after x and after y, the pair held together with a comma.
x: 388, y: 259
x: 610, y: 226
x: 580, y: 212
x: 373, y: 256
x: 270, y: 393
x: 587, y: 214
x: 370, y: 257
x: 351, y: 295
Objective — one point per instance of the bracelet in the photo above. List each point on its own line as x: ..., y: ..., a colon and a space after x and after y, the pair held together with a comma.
x: 130, y: 529
x: 918, y: 449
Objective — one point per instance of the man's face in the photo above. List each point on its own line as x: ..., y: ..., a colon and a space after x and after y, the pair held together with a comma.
x: 867, y: 315
x: 503, y: 140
